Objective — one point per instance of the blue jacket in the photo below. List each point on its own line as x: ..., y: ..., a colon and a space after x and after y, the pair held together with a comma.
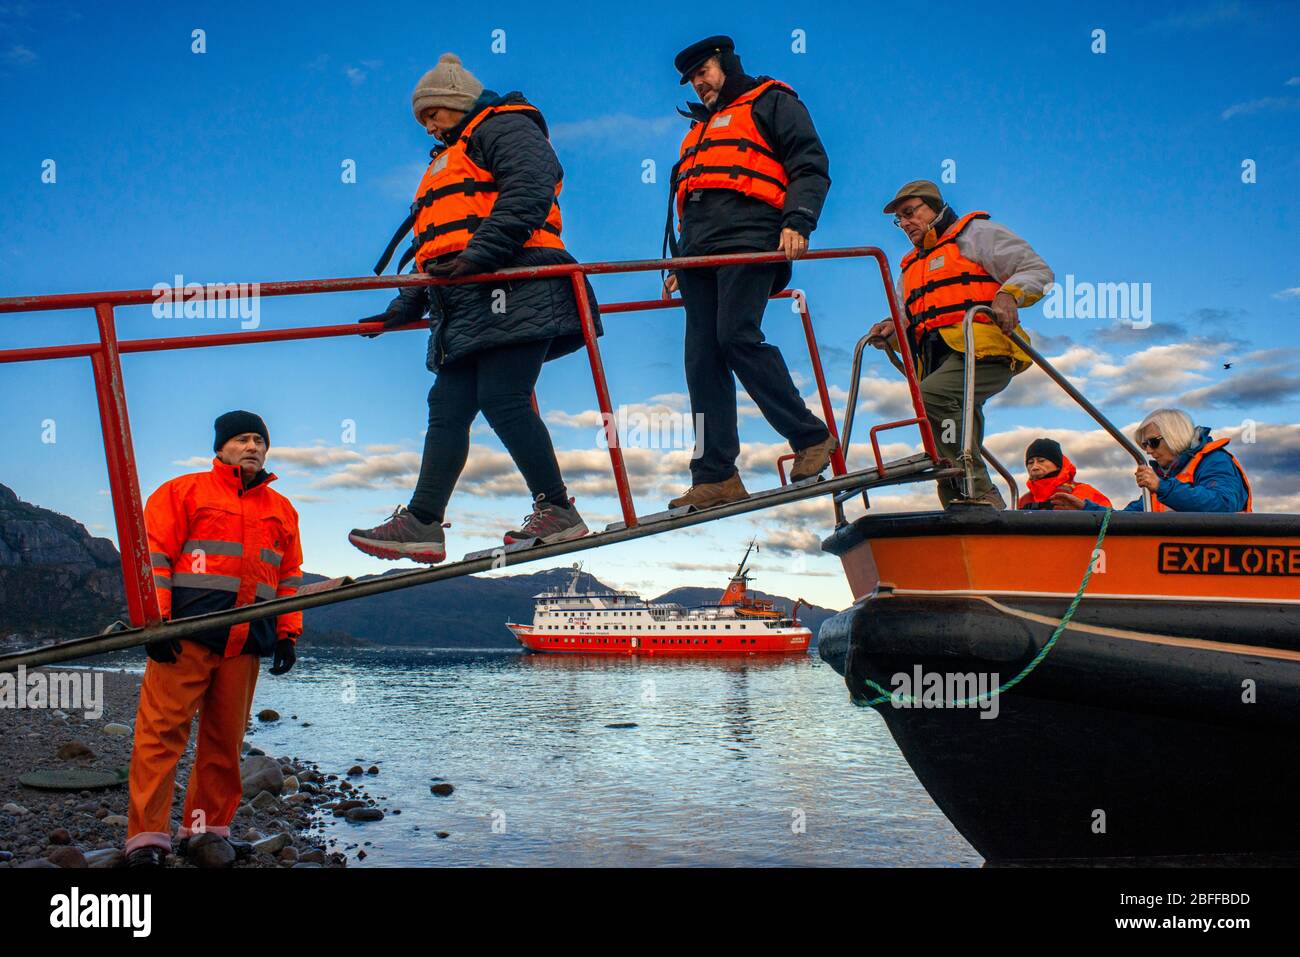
x: 1217, y: 486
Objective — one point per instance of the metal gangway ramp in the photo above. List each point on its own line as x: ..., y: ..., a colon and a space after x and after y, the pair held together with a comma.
x: 146, y: 621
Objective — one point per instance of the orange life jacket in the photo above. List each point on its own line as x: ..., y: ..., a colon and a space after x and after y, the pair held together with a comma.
x: 216, y: 545
x: 1041, y: 490
x: 940, y: 284
x: 455, y: 195
x: 729, y: 152
x: 1188, y: 475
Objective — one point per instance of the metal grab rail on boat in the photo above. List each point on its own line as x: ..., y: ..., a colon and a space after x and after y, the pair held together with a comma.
x: 968, y: 419
x: 850, y: 411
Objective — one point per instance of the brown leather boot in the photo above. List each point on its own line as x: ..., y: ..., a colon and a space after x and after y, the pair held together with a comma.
x: 712, y: 493
x: 810, y: 461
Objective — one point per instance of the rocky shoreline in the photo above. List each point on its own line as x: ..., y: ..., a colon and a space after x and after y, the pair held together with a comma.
x: 286, y: 799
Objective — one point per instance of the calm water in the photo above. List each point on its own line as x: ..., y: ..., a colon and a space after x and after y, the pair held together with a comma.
x: 733, y: 762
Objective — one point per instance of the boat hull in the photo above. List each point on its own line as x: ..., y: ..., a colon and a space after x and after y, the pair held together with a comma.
x: 658, y: 646
x: 1157, y: 727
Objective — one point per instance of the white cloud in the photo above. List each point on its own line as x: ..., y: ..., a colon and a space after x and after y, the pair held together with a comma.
x: 18, y: 55
x: 1200, y: 18
x: 1292, y: 293
x: 1265, y: 104
x: 615, y: 128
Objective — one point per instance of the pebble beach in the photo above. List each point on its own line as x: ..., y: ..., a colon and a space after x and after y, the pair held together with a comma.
x: 286, y: 797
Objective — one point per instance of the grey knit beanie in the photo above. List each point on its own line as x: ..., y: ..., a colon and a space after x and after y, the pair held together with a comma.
x: 448, y: 85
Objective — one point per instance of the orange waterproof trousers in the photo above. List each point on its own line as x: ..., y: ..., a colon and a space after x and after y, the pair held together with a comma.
x: 220, y: 690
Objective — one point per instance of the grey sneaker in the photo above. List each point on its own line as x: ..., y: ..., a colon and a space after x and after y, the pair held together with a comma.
x: 548, y: 524
x: 402, y: 536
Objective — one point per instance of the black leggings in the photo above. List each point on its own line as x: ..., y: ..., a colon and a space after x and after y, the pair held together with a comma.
x: 499, y: 382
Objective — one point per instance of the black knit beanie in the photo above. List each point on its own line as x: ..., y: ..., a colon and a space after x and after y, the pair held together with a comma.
x: 237, y: 423
x: 1045, y: 449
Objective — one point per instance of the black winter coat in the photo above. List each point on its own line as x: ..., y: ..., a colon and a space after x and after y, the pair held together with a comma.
x: 726, y: 221
x: 514, y: 148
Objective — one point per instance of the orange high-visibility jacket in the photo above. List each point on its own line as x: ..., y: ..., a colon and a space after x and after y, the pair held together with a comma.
x: 456, y: 194
x: 729, y: 152
x: 216, y: 545
x: 1188, y: 474
x: 940, y: 284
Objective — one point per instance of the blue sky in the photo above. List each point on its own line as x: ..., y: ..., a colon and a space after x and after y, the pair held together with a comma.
x: 1119, y: 167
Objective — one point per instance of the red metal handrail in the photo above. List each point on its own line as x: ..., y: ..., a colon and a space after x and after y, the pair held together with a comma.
x: 105, y: 356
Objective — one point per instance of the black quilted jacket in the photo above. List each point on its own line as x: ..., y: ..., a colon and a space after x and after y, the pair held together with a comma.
x: 464, y: 319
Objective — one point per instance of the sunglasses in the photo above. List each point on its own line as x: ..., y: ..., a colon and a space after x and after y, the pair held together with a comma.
x: 1152, y: 444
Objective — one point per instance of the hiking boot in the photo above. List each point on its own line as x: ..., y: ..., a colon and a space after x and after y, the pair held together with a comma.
x: 402, y: 536
x: 548, y: 524
x: 990, y: 499
x: 812, y: 460
x: 708, y: 494
x: 148, y: 856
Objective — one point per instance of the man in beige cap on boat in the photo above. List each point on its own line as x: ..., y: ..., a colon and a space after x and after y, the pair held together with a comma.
x: 956, y: 263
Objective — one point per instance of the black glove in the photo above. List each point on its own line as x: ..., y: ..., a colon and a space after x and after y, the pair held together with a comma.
x: 408, y: 306
x: 284, y: 657
x: 460, y: 266
x: 164, y: 650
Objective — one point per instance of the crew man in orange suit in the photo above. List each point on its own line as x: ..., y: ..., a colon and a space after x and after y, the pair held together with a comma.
x: 219, y: 540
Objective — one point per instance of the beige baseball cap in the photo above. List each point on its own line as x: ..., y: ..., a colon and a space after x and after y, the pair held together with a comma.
x: 917, y: 189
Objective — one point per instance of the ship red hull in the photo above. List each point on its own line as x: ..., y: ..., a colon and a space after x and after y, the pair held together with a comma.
x: 659, y: 646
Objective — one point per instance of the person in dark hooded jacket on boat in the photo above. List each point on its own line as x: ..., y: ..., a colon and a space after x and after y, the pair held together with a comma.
x: 489, y: 200
x: 1190, y: 471
x: 1052, y: 482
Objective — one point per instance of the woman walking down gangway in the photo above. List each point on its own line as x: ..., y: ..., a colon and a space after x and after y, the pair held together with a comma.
x: 488, y: 201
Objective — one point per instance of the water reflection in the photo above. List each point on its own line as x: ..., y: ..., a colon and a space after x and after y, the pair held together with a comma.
x: 711, y: 761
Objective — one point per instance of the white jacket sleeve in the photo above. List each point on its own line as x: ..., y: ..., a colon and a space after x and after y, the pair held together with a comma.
x: 1008, y: 258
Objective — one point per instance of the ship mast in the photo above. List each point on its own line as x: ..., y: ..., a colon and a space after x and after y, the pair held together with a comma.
x: 740, y: 569
x: 572, y: 589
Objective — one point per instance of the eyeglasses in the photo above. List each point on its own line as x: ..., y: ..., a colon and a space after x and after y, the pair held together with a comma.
x: 907, y: 214
x: 1152, y: 444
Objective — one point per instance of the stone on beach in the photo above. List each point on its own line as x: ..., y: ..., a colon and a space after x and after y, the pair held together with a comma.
x: 210, y: 850
x: 105, y: 858
x: 66, y: 856
x: 261, y: 773
x: 271, y: 845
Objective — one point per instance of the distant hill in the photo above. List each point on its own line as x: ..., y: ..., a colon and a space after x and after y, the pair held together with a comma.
x: 58, y: 581
x: 468, y: 612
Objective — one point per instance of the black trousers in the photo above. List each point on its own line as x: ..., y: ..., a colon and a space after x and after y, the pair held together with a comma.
x: 499, y: 382
x: 724, y: 341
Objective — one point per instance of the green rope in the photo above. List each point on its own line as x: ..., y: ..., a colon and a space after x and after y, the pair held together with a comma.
x: 1024, y: 673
